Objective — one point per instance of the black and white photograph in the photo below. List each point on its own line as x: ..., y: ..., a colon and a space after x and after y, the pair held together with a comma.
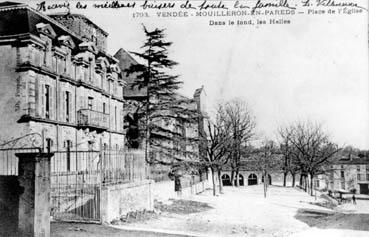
x: 184, y: 118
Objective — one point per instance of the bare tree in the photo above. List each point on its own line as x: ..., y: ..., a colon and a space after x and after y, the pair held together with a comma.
x: 266, y: 159
x: 241, y: 124
x: 217, y: 148
x: 290, y: 155
x: 313, y: 148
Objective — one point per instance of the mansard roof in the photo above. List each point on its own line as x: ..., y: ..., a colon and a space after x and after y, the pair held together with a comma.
x: 125, y: 61
x: 352, y: 161
x: 25, y: 18
x: 8, y: 4
x: 83, y: 17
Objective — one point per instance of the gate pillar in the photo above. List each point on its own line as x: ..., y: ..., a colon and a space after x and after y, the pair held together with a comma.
x: 9, y: 190
x: 34, y: 197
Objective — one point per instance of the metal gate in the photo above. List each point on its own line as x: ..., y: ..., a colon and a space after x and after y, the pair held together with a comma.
x: 76, y: 185
x: 77, y: 178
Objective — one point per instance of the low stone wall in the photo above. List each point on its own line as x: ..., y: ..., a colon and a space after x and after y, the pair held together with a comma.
x: 165, y: 190
x: 194, y: 189
x: 119, y: 199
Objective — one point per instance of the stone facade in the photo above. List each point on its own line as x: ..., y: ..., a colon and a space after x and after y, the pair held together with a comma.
x: 346, y: 174
x: 58, y: 83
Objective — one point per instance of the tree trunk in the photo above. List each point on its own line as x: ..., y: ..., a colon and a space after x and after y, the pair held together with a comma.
x: 284, y: 179
x: 305, y: 183
x: 293, y: 179
x: 232, y: 177
x: 237, y: 178
x: 213, y: 179
x: 265, y: 184
x: 177, y: 184
x: 220, y: 182
x: 311, y: 184
x: 301, y: 180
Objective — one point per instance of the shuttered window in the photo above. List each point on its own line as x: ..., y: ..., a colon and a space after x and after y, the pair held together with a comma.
x: 47, y: 101
x: 67, y: 106
x: 90, y: 103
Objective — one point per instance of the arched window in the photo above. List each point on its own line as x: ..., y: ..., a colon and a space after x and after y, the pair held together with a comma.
x: 226, y: 180
x: 252, y: 179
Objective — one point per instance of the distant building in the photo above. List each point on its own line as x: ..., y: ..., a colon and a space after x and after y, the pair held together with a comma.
x: 190, y: 131
x: 249, y: 176
x: 58, y: 82
x: 346, y: 174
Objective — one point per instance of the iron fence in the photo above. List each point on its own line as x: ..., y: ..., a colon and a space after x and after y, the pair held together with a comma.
x: 75, y: 184
x: 78, y: 176
x: 120, y: 166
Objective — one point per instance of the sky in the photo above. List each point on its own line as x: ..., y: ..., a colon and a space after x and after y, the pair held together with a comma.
x: 314, y: 69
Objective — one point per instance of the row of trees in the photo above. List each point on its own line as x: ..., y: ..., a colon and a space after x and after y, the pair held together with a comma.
x: 303, y: 147
x: 307, y: 150
x: 228, y: 138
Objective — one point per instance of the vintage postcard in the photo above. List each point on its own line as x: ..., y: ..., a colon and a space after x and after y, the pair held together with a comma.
x: 184, y: 118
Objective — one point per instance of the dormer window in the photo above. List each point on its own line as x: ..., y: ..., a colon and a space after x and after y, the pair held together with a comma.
x: 67, y: 41
x: 46, y: 29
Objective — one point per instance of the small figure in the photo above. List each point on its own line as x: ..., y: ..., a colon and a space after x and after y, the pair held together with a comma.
x: 353, y: 199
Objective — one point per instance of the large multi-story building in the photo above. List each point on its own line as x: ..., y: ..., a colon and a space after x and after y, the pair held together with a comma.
x: 349, y: 173
x: 57, y: 82
x: 166, y: 151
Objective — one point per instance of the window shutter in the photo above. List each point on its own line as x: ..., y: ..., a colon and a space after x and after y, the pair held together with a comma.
x: 51, y: 103
x: 58, y: 98
x: 37, y: 57
x: 37, y: 97
x: 85, y: 103
x: 54, y: 63
x: 63, y: 107
x: 48, y: 53
x: 71, y: 107
x: 79, y: 103
x: 121, y: 120
x: 42, y: 99
x: 32, y: 52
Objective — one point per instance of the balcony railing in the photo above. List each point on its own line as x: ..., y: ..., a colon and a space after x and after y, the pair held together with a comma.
x: 93, y: 119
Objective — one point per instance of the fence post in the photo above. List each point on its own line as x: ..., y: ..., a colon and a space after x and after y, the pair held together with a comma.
x: 34, y: 199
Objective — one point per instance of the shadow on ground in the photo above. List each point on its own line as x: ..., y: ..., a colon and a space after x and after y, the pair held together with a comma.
x: 181, y: 206
x: 332, y: 220
x: 59, y: 229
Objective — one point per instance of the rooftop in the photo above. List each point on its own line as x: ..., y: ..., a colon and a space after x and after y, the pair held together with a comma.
x: 63, y: 14
x: 24, y: 17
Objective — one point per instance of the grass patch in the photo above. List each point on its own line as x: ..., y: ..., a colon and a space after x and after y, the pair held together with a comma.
x: 181, y: 206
